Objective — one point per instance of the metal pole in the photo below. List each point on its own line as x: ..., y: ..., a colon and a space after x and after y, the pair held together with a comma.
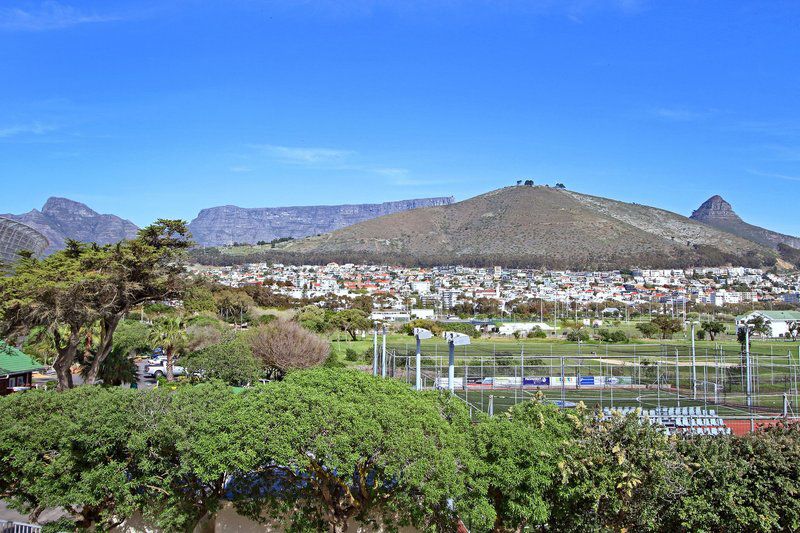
x: 747, y: 366
x: 419, y: 364
x: 383, y: 355
x: 375, y: 352
x: 451, y: 368
x: 694, y: 367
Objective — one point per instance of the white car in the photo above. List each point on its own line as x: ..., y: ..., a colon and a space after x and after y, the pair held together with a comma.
x: 160, y: 370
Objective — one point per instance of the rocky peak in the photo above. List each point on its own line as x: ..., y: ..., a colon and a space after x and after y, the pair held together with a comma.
x: 715, y: 208
x: 66, y: 208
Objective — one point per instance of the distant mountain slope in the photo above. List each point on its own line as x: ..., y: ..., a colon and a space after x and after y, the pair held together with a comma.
x: 228, y: 224
x: 718, y: 213
x: 61, y: 219
x: 536, y: 227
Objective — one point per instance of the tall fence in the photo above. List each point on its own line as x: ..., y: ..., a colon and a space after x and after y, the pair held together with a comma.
x: 763, y: 385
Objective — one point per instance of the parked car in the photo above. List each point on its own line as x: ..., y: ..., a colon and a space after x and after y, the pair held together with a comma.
x: 160, y: 370
x: 157, y: 359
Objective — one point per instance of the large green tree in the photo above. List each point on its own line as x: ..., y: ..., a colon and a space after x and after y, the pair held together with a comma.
x: 56, y: 297
x: 70, y: 451
x: 516, y: 461
x: 342, y: 446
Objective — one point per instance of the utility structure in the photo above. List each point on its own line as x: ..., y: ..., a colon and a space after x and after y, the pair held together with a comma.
x: 375, y: 351
x: 453, y: 339
x: 694, y: 362
x: 383, y: 354
x: 420, y: 334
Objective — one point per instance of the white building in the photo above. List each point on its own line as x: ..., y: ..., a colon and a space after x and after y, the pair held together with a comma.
x: 777, y: 321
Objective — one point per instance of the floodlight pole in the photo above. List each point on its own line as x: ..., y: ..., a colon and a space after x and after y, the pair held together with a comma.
x: 419, y: 363
x: 694, y: 367
x: 375, y: 351
x: 383, y: 356
x: 747, y: 366
x: 451, y: 367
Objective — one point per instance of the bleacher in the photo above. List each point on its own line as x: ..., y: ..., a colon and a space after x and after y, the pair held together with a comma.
x: 678, y: 420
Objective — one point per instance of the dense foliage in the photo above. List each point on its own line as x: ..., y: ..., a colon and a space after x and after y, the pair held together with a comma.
x: 325, y: 449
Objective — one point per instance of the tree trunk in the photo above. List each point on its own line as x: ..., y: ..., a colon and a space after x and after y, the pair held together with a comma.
x: 207, y: 524
x: 106, y: 344
x: 170, y: 376
x: 64, y: 360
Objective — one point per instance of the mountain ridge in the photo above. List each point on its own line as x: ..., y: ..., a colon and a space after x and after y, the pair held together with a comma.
x: 61, y: 219
x: 543, y: 227
x: 225, y: 225
x: 719, y: 213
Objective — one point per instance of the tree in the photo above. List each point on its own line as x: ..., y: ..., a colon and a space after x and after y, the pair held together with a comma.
x: 618, y: 474
x: 516, y: 465
x: 231, y: 362
x: 69, y: 450
x: 57, y: 295
x: 183, y: 454
x: 793, y: 329
x: 136, y: 271
x: 312, y: 318
x: 667, y: 325
x: 234, y: 305
x: 283, y: 346
x: 351, y: 321
x: 362, y: 302
x: 648, y: 329
x: 343, y: 445
x: 169, y: 333
x: 712, y: 328
x: 740, y: 483
x: 199, y: 298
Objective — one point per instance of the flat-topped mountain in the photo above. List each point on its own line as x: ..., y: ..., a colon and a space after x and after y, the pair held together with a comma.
x: 536, y: 227
x: 718, y: 213
x: 230, y: 224
x: 61, y: 219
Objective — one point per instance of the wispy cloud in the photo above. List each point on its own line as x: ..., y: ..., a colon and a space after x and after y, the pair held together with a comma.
x: 33, y: 128
x: 774, y: 175
x: 304, y: 155
x: 680, y: 114
x: 240, y: 169
x: 49, y: 15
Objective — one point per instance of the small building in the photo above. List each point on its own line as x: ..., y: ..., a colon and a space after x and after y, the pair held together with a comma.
x: 777, y: 321
x: 16, y: 369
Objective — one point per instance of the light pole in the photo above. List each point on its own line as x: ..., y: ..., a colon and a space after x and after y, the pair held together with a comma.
x: 383, y: 355
x: 694, y: 364
x: 420, y: 333
x: 453, y: 339
x: 375, y: 351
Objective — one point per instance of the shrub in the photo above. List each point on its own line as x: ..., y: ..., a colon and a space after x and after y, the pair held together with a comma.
x: 283, y: 346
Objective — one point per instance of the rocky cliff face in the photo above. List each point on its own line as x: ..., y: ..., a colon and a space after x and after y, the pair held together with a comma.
x: 61, y: 219
x: 718, y: 213
x: 715, y: 208
x: 228, y: 224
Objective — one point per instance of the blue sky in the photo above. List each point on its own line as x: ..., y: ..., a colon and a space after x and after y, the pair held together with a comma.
x: 153, y: 109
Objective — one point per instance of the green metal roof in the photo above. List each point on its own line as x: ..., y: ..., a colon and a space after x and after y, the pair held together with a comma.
x: 775, y: 315
x: 13, y: 361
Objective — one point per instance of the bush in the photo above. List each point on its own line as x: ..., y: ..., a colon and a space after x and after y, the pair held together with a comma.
x: 577, y: 335
x: 537, y: 334
x: 283, y: 346
x: 351, y: 355
x: 612, y: 336
x: 231, y: 362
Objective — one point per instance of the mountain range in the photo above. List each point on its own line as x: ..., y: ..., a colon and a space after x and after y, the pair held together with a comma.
x: 514, y: 226
x: 61, y: 219
x: 540, y: 227
x: 229, y: 224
